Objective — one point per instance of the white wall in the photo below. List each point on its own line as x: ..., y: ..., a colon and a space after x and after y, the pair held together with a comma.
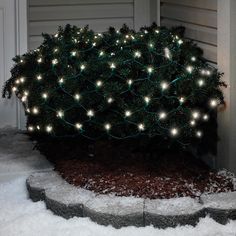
x: 13, y: 39
x: 200, y: 19
x: 47, y: 15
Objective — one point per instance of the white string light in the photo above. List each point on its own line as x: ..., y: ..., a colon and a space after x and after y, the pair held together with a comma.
x: 60, y: 114
x: 82, y: 67
x: 196, y: 115
x: 49, y: 128
x: 162, y: 115
x: 99, y: 83
x: 54, y: 61
x: 164, y: 85
x: 182, y: 99
x: 110, y: 100
x: 213, y: 102
x: 40, y: 60
x: 174, y: 131
x: 205, y: 117
x: 35, y: 110
x: 199, y: 134
x: 141, y: 127
x: 201, y: 82
x: 129, y: 81
x: 45, y: 95
x: 107, y: 126
x: 147, y: 99
x: 128, y: 113
x: 90, y: 113
x: 193, y: 59
x: 39, y: 77
x: 189, y: 69
x: 137, y: 54
x: 101, y: 53
x: 73, y: 53
x: 78, y: 126
x: 30, y: 128
x: 167, y: 53
x: 77, y: 96
x: 61, y: 80
x: 112, y: 66
x: 149, y: 69
x: 192, y: 122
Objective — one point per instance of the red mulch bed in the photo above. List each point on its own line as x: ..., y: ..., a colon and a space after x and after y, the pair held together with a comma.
x: 144, y: 176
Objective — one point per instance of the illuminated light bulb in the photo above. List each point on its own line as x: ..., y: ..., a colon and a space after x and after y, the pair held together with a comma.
x: 45, y: 95
x: 199, y: 134
x: 82, y: 67
x: 49, y: 128
x: 110, y: 100
x: 149, y: 69
x: 24, y: 98
x: 28, y: 110
x: 162, y: 115
x: 21, y: 60
x: 174, y: 131
x: 113, y: 54
x: 56, y: 35
x: 117, y: 41
x: 22, y: 79
x: 55, y: 50
x: 26, y: 93
x: 35, y: 110
x: 157, y: 31
x: 151, y: 45
x: 167, y: 53
x: 77, y: 96
x: 94, y: 44
x: 200, y: 82
x: 145, y: 31
x: 101, y: 53
x: 99, y: 83
x: 99, y: 34
x: 213, y: 103
x: 129, y: 81
x: 164, y: 85
x: 192, y: 122
x: 141, y: 35
x: 147, y: 99
x: 182, y: 99
x: 180, y: 41
x: 132, y: 37
x: 14, y: 89
x: 127, y: 36
x: 78, y: 126
x: 61, y: 80
x: 193, y: 58
x: 107, y: 126
x: 39, y: 77
x: 195, y: 115
x: 128, y: 113
x: 205, y: 117
x: 17, y: 81
x: 112, y: 66
x: 38, y: 127
x: 30, y: 128
x: 60, y: 114
x: 125, y: 41
x: 39, y: 60
x: 137, y: 54
x: 117, y: 31
x: 54, y: 61
x: 189, y: 69
x: 73, y: 53
x: 208, y: 72
x: 141, y: 127
x: 90, y: 113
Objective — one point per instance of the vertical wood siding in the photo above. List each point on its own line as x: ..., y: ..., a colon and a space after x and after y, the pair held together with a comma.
x: 199, y: 17
x: 47, y: 15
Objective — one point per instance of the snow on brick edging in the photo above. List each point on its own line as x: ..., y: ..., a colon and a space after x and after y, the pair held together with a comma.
x: 68, y: 201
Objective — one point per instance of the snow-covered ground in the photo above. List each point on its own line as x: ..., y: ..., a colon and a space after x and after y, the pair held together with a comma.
x: 20, y: 216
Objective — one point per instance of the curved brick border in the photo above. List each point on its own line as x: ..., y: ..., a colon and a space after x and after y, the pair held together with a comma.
x: 68, y: 201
